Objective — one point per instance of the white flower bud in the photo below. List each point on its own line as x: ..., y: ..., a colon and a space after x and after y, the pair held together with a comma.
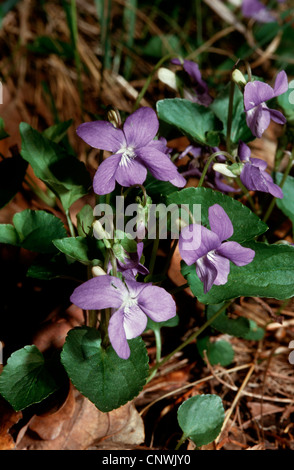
x: 167, y: 77
x: 239, y: 78
x: 223, y: 169
x: 97, y: 271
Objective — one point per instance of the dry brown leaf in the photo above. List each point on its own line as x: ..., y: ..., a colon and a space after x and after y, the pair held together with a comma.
x: 49, y: 425
x: 174, y: 271
x: 88, y: 426
x: 9, y: 417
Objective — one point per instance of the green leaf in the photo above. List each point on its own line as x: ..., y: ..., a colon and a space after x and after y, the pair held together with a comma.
x: 37, y: 229
x: 218, y: 352
x: 64, y: 174
x: 246, y: 224
x: 12, y: 173
x: 193, y: 120
x: 58, y: 266
x: 8, y: 235
x: 47, y: 45
x: 3, y: 133
x: 85, y: 219
x: 240, y: 327
x: 79, y: 248
x: 270, y: 274
x: 220, y: 106
x: 58, y: 131
x: 286, y: 101
x: 153, y: 325
x: 26, y: 379
x: 201, y: 418
x: 157, y: 45
x: 286, y: 205
x: 99, y: 374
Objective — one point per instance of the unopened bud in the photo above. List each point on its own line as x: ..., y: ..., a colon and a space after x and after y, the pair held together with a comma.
x: 98, y: 271
x: 100, y: 233
x: 167, y: 77
x: 239, y: 78
x: 113, y: 116
x: 223, y: 169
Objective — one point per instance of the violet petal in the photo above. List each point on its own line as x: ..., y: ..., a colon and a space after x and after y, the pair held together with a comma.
x: 99, y: 292
x: 220, y: 222
x: 258, y: 119
x: 236, y: 253
x: 117, y: 335
x: 102, y: 135
x: 256, y: 93
x: 157, y: 303
x: 160, y: 165
x: 196, y: 241
x: 141, y: 127
x: 104, y: 179
x: 130, y: 171
x: 206, y: 272
x: 281, y: 83
x: 135, y: 321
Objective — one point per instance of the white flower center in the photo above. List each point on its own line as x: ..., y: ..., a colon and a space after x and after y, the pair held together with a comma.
x: 128, y: 303
x: 128, y: 154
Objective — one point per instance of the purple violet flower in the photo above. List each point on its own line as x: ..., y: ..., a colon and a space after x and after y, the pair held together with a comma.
x: 131, y: 265
x: 213, y: 256
x: 197, y: 91
x: 256, y: 93
x: 254, y: 175
x: 134, y: 151
x: 131, y: 302
x: 256, y: 10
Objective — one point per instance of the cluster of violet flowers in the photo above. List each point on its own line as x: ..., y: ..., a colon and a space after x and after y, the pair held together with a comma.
x: 135, y: 150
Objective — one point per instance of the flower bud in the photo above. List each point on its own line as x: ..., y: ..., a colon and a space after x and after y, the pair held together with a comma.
x: 239, y: 78
x: 100, y: 233
x: 113, y: 116
x: 224, y: 169
x: 167, y: 77
x: 98, y: 271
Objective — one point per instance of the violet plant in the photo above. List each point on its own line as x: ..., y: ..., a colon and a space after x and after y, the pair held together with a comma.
x: 225, y: 254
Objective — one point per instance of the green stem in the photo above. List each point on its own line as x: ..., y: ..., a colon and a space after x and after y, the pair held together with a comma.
x: 70, y: 224
x: 39, y: 193
x: 246, y: 193
x: 158, y: 344
x: 113, y: 263
x: 191, y: 338
x: 286, y: 173
x: 230, y: 115
x: 93, y: 314
x: 211, y: 158
x: 153, y: 255
x: 149, y: 79
x: 181, y: 441
x: 199, y: 23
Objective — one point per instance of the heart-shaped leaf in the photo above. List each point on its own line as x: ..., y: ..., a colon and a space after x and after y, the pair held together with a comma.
x: 270, y: 274
x: 201, y: 418
x: 100, y: 374
x: 246, y: 224
x: 192, y: 119
x: 26, y: 379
